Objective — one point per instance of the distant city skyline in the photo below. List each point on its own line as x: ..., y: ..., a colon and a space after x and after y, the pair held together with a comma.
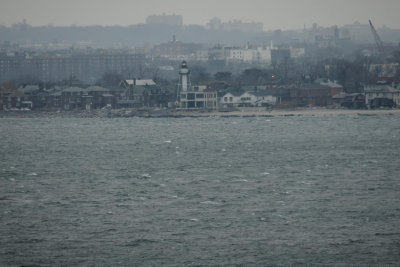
x: 274, y: 14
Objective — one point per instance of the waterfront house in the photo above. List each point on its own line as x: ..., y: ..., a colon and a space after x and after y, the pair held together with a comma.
x: 353, y: 100
x: 248, y: 99
x: 211, y: 99
x: 381, y: 96
x: 13, y: 99
x: 142, y: 93
x: 53, y: 100
x: 71, y: 98
x: 98, y: 97
x: 264, y: 99
x: 313, y: 94
x: 230, y: 100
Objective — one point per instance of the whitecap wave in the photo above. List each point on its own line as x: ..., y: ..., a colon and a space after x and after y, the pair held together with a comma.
x: 209, y: 202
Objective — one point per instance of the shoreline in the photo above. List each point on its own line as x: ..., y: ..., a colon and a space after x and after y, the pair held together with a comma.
x: 164, y: 113
x: 299, y: 112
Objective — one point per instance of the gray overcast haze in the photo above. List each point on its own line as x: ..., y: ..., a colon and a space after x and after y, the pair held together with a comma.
x: 275, y: 14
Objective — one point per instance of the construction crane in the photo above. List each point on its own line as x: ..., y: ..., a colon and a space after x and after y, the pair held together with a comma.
x: 377, y: 39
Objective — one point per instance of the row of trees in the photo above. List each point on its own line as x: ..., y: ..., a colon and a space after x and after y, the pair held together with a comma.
x: 352, y: 72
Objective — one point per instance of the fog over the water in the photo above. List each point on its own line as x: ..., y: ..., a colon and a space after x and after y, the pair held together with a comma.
x: 275, y: 14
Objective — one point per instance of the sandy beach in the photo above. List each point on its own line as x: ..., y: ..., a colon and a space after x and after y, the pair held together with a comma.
x: 305, y: 112
x: 173, y: 113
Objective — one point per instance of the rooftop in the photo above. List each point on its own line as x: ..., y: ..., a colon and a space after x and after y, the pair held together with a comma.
x: 380, y: 89
x: 140, y: 82
x: 330, y: 84
x: 73, y: 89
x: 97, y: 89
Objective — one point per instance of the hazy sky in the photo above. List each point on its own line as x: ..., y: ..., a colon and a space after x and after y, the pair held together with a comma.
x: 275, y: 14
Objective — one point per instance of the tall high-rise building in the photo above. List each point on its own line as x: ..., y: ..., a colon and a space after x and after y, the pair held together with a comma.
x: 55, y: 67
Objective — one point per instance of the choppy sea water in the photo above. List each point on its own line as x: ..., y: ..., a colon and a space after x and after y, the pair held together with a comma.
x: 279, y: 191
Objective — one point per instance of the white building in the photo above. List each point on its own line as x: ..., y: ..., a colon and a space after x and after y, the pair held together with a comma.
x: 248, y: 99
x: 264, y: 99
x: 127, y: 83
x: 262, y: 55
x: 256, y: 55
x: 240, y: 54
x: 229, y: 100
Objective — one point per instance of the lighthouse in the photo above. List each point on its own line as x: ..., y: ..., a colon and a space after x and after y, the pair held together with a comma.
x: 184, y: 82
x: 184, y: 78
x: 193, y: 97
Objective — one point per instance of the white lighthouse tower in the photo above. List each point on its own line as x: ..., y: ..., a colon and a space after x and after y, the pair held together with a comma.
x: 184, y: 80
